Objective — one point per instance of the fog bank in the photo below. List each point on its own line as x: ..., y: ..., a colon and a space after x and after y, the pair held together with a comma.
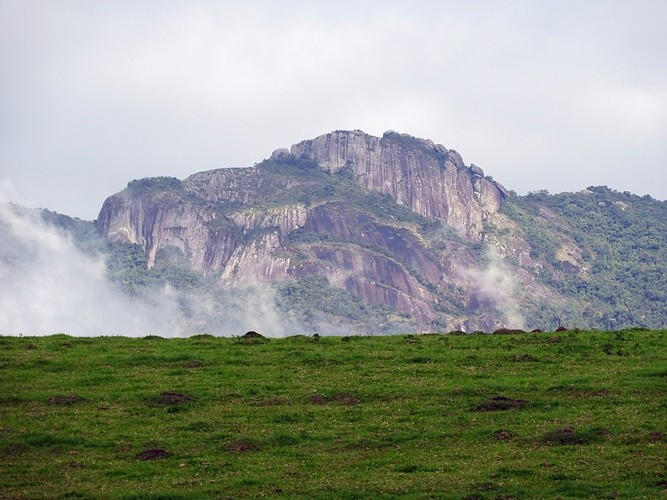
x: 48, y: 285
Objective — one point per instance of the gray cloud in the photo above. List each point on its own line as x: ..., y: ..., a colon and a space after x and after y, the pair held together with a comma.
x: 557, y: 96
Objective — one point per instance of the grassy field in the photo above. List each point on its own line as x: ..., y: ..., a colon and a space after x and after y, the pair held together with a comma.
x: 548, y: 415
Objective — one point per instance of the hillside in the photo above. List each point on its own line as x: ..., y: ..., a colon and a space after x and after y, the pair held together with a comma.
x: 351, y: 231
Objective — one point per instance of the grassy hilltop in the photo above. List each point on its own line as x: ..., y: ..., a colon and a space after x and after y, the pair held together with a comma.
x: 570, y: 414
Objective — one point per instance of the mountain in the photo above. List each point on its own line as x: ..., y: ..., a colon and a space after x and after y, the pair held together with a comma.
x: 396, y: 233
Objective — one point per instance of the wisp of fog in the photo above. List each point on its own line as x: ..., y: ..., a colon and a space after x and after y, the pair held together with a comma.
x: 496, y: 286
x: 48, y: 285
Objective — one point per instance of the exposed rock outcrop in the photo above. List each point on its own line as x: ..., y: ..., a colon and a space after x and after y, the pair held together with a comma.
x: 425, y: 177
x: 288, y: 217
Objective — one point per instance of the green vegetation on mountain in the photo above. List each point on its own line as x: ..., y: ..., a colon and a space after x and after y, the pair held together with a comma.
x: 549, y: 415
x: 619, y: 278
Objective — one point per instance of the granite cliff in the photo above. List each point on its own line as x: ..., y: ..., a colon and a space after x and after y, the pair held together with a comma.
x: 402, y: 225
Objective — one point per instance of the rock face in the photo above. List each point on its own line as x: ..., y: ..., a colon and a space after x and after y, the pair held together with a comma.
x: 368, y: 213
x: 418, y: 174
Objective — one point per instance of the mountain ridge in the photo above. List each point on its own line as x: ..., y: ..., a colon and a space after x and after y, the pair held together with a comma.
x: 352, y: 232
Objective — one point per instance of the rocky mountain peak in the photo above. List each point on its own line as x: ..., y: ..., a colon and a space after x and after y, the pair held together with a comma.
x: 345, y: 206
x: 425, y: 177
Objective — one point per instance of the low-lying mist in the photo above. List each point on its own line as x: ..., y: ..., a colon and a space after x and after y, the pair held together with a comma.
x: 48, y: 285
x: 495, y: 286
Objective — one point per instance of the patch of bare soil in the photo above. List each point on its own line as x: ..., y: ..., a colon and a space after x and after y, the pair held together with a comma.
x: 319, y: 399
x: 195, y: 363
x: 154, y: 454
x: 487, y: 487
x: 500, y: 403
x: 570, y: 436
x: 346, y: 399
x: 64, y: 400
x: 14, y: 449
x: 242, y: 445
x: 656, y: 437
x: 503, y: 435
x: 170, y: 398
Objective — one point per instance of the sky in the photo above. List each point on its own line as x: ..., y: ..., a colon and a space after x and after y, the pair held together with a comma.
x: 542, y: 95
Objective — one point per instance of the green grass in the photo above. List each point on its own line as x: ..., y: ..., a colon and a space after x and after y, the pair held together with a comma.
x: 353, y: 417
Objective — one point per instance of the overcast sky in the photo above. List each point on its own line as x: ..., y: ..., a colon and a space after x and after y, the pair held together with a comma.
x: 555, y: 95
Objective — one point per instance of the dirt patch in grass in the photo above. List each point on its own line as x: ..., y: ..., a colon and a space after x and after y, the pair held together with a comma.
x: 319, y: 399
x: 656, y: 437
x: 64, y: 400
x: 503, y: 435
x: 242, y: 445
x: 195, y: 363
x: 170, y: 398
x: 569, y: 436
x: 500, y: 403
x: 153, y: 454
x: 14, y: 449
x: 346, y: 399
x: 487, y: 486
